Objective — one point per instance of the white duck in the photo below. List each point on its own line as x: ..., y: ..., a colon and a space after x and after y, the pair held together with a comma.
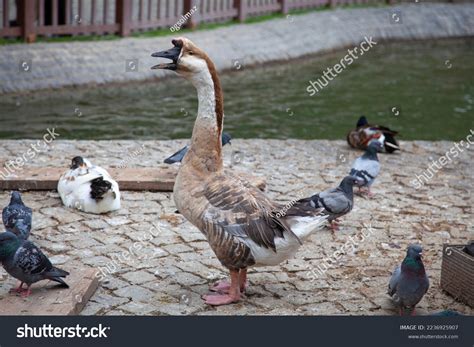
x: 88, y: 188
x: 242, y: 225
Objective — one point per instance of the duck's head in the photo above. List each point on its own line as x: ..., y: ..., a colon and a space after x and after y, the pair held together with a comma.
x: 187, y: 59
x: 78, y: 162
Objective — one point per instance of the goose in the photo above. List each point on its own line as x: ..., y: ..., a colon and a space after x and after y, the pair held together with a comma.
x: 364, y: 132
x: 88, y: 188
x: 179, y: 155
x: 243, y: 227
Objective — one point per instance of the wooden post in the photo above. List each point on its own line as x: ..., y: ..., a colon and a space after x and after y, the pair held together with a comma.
x: 284, y: 6
x: 332, y: 3
x: 124, y: 16
x: 27, y: 20
x: 240, y: 6
x: 190, y: 6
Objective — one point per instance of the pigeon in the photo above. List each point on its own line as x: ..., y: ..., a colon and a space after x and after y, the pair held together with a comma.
x: 179, y: 155
x: 409, y: 282
x: 364, y: 132
x: 367, y: 167
x: 469, y: 249
x: 335, y: 201
x: 88, y: 188
x: 17, y: 217
x: 24, y: 261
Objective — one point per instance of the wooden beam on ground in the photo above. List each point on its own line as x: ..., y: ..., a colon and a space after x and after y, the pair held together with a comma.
x: 134, y: 179
x: 48, y: 299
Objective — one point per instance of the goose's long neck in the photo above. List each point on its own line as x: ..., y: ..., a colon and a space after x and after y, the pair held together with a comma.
x: 205, y: 151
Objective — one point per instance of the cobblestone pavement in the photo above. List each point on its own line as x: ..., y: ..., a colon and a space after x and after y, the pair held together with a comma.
x: 55, y: 65
x: 175, y: 265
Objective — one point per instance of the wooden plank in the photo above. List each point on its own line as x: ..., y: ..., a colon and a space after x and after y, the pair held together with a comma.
x: 48, y: 299
x: 133, y: 179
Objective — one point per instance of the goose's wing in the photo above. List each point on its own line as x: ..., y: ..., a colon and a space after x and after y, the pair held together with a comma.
x: 237, y: 208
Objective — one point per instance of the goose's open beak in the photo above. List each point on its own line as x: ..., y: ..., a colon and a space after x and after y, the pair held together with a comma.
x: 172, y: 54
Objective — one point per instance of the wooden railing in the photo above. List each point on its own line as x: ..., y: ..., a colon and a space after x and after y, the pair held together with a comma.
x: 28, y: 19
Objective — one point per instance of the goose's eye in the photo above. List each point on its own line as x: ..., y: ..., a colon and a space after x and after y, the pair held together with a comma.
x: 190, y: 53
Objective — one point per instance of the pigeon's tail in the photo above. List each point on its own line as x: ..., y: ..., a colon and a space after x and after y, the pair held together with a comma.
x: 99, y: 187
x: 177, y: 157
x: 391, y: 145
x: 55, y: 275
x: 313, y: 202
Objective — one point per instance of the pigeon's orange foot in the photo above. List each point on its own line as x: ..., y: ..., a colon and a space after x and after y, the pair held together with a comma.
x: 220, y: 299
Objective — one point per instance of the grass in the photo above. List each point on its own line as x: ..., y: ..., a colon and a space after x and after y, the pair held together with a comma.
x: 166, y: 31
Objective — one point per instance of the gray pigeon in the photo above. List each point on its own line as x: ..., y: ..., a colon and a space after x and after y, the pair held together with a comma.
x: 179, y: 155
x: 24, y: 261
x: 409, y: 282
x: 367, y: 166
x: 17, y: 217
x: 335, y: 201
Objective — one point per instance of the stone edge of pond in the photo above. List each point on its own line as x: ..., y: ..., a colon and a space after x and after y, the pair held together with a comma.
x: 233, y: 47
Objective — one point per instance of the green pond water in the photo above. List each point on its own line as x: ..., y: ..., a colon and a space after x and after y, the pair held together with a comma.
x: 428, y: 84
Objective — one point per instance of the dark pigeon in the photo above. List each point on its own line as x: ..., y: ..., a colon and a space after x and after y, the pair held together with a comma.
x: 409, y: 282
x: 179, y: 155
x: 367, y: 167
x: 17, y: 217
x: 335, y: 201
x: 24, y: 261
x: 469, y: 249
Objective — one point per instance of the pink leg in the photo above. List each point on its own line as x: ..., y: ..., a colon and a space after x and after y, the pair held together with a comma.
x: 233, y: 294
x: 224, y: 286
x: 334, y: 225
x: 243, y: 280
x: 17, y: 290
x: 220, y: 286
x: 26, y: 293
